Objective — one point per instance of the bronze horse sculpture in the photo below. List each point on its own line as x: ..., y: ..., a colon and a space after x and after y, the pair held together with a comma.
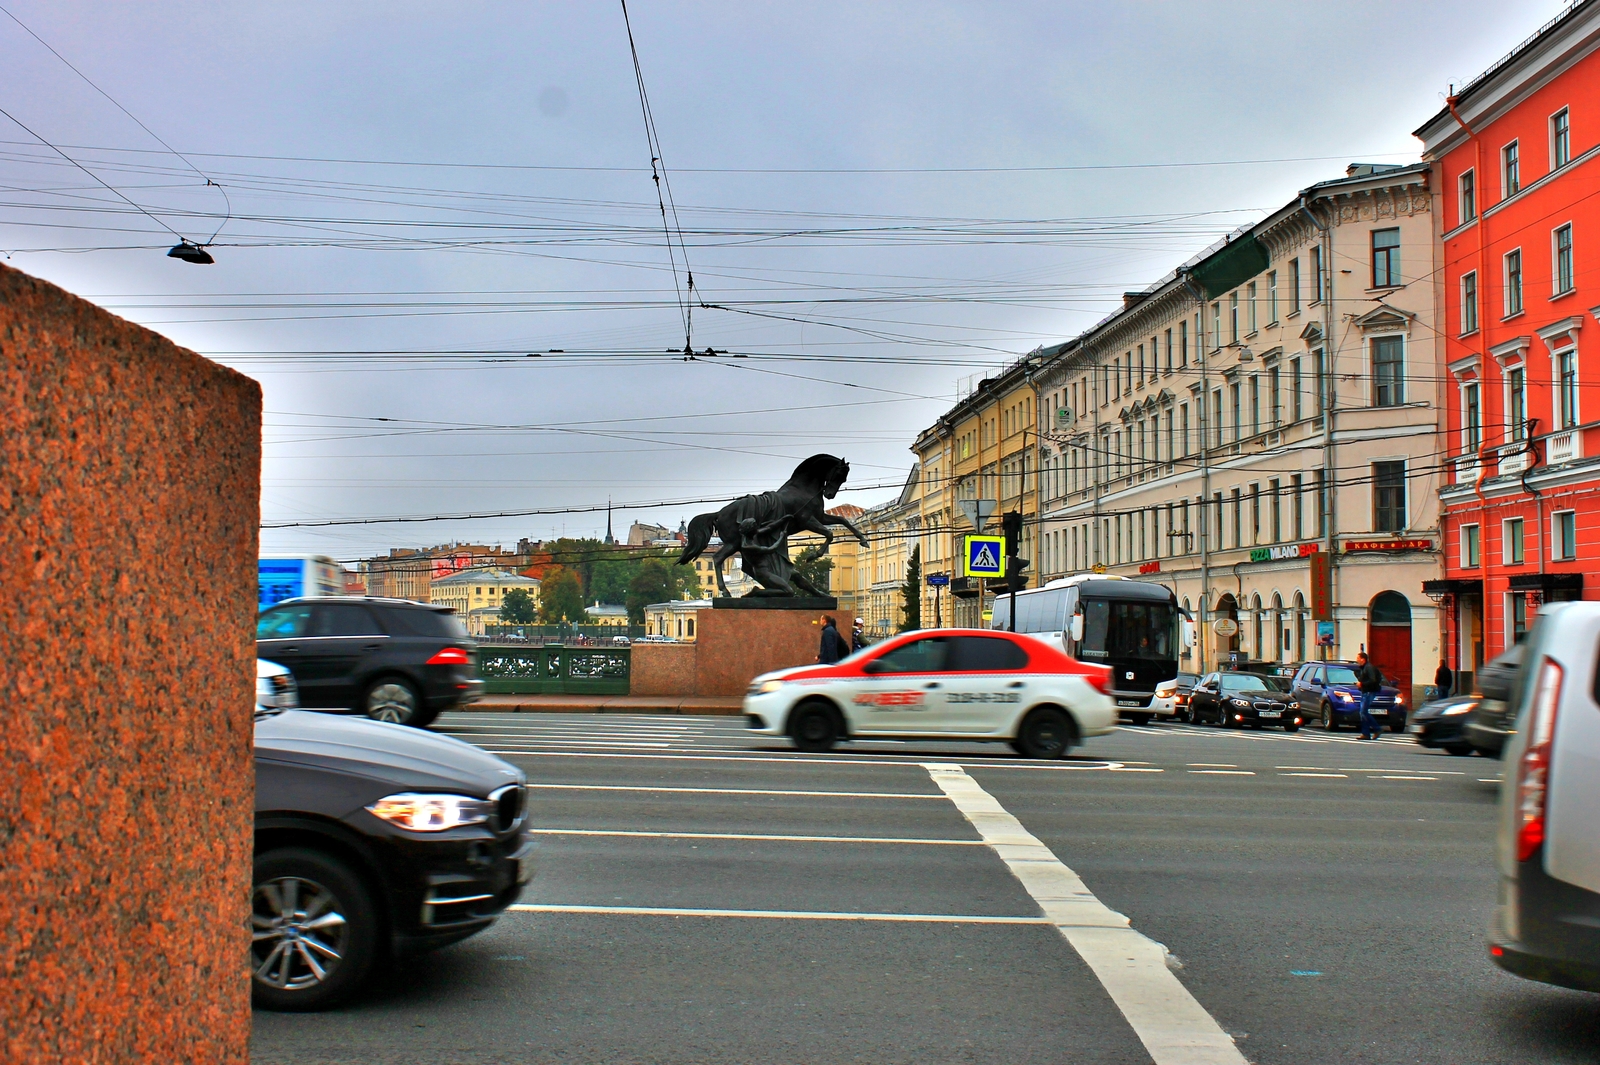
x: 757, y: 527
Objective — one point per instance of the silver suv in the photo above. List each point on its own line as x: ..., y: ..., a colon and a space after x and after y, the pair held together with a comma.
x: 1547, y: 924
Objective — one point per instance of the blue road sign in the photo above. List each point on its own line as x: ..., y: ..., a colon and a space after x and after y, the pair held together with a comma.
x: 938, y: 580
x: 985, y: 556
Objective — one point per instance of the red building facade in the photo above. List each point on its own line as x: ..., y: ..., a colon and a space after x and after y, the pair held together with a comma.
x: 1517, y: 156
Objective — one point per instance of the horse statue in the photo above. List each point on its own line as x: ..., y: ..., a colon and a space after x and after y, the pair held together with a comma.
x: 757, y: 527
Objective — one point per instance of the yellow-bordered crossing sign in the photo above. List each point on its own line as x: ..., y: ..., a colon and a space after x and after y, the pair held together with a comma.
x: 984, y: 556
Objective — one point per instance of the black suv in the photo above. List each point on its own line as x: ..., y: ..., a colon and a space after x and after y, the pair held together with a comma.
x: 391, y: 659
x: 373, y: 841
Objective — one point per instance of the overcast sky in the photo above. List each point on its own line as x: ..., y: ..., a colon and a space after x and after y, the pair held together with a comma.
x: 890, y: 198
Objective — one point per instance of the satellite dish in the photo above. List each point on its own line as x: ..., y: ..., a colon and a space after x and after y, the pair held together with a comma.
x: 190, y: 253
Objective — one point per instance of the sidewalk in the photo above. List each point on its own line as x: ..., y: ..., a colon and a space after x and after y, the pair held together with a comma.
x: 607, y: 704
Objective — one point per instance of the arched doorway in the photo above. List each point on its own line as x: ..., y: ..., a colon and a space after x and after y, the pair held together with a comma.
x: 1227, y: 607
x: 1299, y: 627
x: 1389, y: 638
x: 1280, y: 628
x: 1258, y: 646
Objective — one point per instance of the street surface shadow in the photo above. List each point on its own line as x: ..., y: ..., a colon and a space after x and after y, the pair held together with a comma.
x: 1547, y: 1023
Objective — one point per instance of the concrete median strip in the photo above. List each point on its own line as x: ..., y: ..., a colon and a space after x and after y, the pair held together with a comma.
x: 1172, y: 1025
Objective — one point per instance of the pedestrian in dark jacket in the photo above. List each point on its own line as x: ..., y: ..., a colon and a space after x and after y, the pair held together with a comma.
x: 1370, y: 679
x: 1444, y: 680
x: 833, y: 647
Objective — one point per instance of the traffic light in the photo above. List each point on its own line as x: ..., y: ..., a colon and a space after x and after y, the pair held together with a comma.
x: 1011, y: 530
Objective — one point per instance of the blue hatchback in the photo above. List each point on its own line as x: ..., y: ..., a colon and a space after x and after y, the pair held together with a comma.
x: 1328, y: 692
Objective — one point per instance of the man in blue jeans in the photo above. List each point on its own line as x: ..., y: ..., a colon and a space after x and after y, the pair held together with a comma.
x: 1370, y: 679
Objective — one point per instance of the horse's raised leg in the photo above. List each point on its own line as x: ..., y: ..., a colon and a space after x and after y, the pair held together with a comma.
x: 723, y: 554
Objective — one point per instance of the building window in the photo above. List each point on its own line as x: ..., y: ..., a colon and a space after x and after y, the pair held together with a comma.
x: 1322, y: 380
x: 1294, y: 286
x: 1320, y: 477
x: 1388, y: 496
x: 1563, y: 259
x: 1468, y: 200
x: 1567, y: 387
x: 1385, y: 258
x: 1251, y: 300
x: 1513, y: 282
x: 1516, y: 403
x: 1560, y: 139
x: 1255, y: 404
x: 1233, y: 402
x: 1272, y: 297
x: 1510, y: 171
x: 1469, y: 546
x: 1471, y: 419
x: 1565, y: 538
x: 1183, y: 427
x: 1169, y: 350
x: 1216, y: 417
x: 1183, y: 342
x: 1238, y: 518
x: 1274, y: 487
x: 1316, y: 274
x: 1294, y: 390
x: 1518, y: 613
x: 1469, y: 303
x: 1511, y: 541
x: 1255, y: 514
x: 1388, y: 371
x: 1216, y: 326
x: 1233, y: 317
x: 1298, y: 490
x: 1274, y: 403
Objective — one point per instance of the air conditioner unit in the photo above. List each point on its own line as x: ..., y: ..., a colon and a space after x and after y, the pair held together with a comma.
x: 1063, y: 417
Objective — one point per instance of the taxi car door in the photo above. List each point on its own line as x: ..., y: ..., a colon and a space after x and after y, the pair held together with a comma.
x: 900, y: 691
x: 986, y: 685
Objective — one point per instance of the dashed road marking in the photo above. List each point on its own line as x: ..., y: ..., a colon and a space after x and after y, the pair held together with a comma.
x: 1331, y: 776
x: 1172, y: 1025
x: 1223, y: 772
x: 1407, y: 778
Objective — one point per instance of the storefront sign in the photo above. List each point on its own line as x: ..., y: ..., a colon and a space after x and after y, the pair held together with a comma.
x: 1321, y: 587
x: 1275, y: 554
x: 1150, y: 567
x: 1387, y: 545
x: 1227, y: 628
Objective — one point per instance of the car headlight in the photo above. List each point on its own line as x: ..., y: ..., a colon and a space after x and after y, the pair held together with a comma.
x: 431, y: 813
x: 1240, y: 702
x: 1464, y: 708
x: 1399, y: 700
x: 1346, y: 696
x: 765, y: 687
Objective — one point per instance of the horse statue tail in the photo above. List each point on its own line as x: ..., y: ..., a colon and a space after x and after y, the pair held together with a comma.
x: 699, y: 536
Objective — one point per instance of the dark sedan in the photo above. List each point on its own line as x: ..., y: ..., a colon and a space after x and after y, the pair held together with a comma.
x: 1233, y: 700
x: 1441, y: 723
x: 373, y: 841
x: 1491, y: 722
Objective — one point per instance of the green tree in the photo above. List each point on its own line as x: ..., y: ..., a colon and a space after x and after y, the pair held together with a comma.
x: 911, y: 592
x: 656, y: 580
x: 814, y: 565
x: 561, y: 596
x: 517, y: 607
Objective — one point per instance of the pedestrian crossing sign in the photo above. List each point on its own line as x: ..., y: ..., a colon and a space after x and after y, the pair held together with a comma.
x: 985, y: 556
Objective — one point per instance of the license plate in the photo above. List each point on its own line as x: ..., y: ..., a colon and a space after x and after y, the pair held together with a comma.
x: 1129, y: 702
x: 1269, y: 713
x: 526, y: 863
x: 1415, y: 728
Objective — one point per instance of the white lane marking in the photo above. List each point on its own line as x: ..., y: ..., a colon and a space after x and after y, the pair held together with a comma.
x: 756, y: 836
x: 736, y: 791
x: 782, y: 915
x: 1212, y: 765
x: 1223, y: 772
x: 1338, y: 776
x: 1390, y: 769
x: 1173, y: 1027
x: 1488, y: 780
x: 1407, y: 778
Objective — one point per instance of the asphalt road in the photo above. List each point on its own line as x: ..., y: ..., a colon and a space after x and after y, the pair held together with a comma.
x: 1322, y: 900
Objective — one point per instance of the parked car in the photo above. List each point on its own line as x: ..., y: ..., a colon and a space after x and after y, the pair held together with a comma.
x: 1234, y: 699
x: 1172, y: 696
x: 372, y: 842
x: 1547, y: 924
x: 391, y: 659
x: 940, y: 684
x: 1441, y: 723
x: 1328, y: 692
x: 1492, y: 720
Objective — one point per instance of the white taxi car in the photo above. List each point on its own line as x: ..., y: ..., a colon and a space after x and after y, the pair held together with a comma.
x: 940, y: 684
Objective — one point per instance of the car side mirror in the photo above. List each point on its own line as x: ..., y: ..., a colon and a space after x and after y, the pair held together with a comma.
x: 874, y: 667
x: 1077, y: 628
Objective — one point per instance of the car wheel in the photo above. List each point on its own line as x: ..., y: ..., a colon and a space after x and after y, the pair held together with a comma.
x: 1222, y: 717
x: 1139, y: 719
x: 314, y: 931
x: 397, y: 702
x: 1046, y: 733
x: 814, y: 728
x: 1397, y: 726
x: 1461, y: 750
x: 1330, y: 721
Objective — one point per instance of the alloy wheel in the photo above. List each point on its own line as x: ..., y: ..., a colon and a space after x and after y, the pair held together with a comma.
x: 393, y: 702
x: 297, y: 933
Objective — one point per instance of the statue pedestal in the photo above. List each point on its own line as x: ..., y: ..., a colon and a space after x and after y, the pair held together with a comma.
x: 735, y: 644
x: 817, y: 604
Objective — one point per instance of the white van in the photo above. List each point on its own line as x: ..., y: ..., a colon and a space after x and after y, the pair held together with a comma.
x: 1547, y: 924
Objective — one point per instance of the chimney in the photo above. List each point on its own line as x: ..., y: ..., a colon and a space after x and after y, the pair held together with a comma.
x: 1129, y: 299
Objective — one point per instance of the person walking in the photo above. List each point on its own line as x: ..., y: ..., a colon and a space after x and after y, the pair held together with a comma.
x: 1370, y: 679
x: 858, y: 636
x: 833, y: 647
x: 1444, y: 680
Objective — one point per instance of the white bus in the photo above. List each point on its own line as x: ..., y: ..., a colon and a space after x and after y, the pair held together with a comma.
x: 1135, y: 627
x: 298, y: 576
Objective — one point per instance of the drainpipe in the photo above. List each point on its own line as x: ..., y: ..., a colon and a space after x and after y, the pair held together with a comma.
x: 1330, y: 492
x: 1205, y: 460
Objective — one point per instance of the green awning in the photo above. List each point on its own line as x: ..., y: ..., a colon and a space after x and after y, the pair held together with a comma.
x: 1231, y: 267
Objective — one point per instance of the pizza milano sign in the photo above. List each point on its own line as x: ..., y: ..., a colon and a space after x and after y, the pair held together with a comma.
x: 1277, y: 554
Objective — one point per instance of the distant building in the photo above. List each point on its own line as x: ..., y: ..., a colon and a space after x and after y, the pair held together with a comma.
x: 640, y: 534
x: 843, y: 577
x: 675, y: 620
x: 409, y: 573
x: 476, y: 594
x: 355, y: 583
x: 610, y: 615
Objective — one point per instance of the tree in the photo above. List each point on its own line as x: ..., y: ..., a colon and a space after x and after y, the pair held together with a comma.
x: 517, y: 607
x: 561, y: 596
x: 912, y: 591
x: 814, y: 566
x: 655, y: 580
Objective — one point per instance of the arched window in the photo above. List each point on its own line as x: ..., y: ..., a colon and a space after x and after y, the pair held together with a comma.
x: 1299, y: 627
x: 1256, y: 646
x: 1390, y: 608
x: 1280, y: 628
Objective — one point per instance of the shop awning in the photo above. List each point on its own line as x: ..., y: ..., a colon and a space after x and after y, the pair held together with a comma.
x: 1546, y: 582
x: 1438, y: 589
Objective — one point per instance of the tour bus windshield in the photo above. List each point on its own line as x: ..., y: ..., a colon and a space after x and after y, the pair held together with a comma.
x: 1122, y: 629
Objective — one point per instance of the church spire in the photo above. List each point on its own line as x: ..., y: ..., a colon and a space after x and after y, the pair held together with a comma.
x: 610, y: 539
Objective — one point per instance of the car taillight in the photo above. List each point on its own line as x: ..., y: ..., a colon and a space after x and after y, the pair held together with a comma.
x: 1099, y: 680
x: 1533, y: 773
x: 450, y: 656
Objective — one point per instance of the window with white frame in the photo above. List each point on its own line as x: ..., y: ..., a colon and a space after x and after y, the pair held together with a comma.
x: 1272, y: 296
x: 1470, y: 556
x: 1385, y: 258
x: 1389, y: 496
x: 1566, y: 374
x: 1466, y: 198
x: 1216, y: 325
x: 1471, y: 418
x: 1564, y: 534
x: 1561, y: 256
x: 1513, y: 282
x: 1388, y: 371
x: 1316, y: 274
x: 1510, y: 171
x: 1560, y: 139
x: 1294, y: 390
x: 1516, y: 403
x: 1511, y: 541
x: 1469, y: 302
x: 1233, y: 317
x: 1251, y: 301
x: 1294, y: 286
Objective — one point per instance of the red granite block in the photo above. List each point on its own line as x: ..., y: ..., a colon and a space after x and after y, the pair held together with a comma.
x: 129, y: 504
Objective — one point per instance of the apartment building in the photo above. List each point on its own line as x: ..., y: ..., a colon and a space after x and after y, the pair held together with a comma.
x: 892, y: 529
x: 1259, y: 431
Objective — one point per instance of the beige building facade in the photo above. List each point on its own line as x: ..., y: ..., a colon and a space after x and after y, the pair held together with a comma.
x: 1275, y: 399
x: 476, y: 594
